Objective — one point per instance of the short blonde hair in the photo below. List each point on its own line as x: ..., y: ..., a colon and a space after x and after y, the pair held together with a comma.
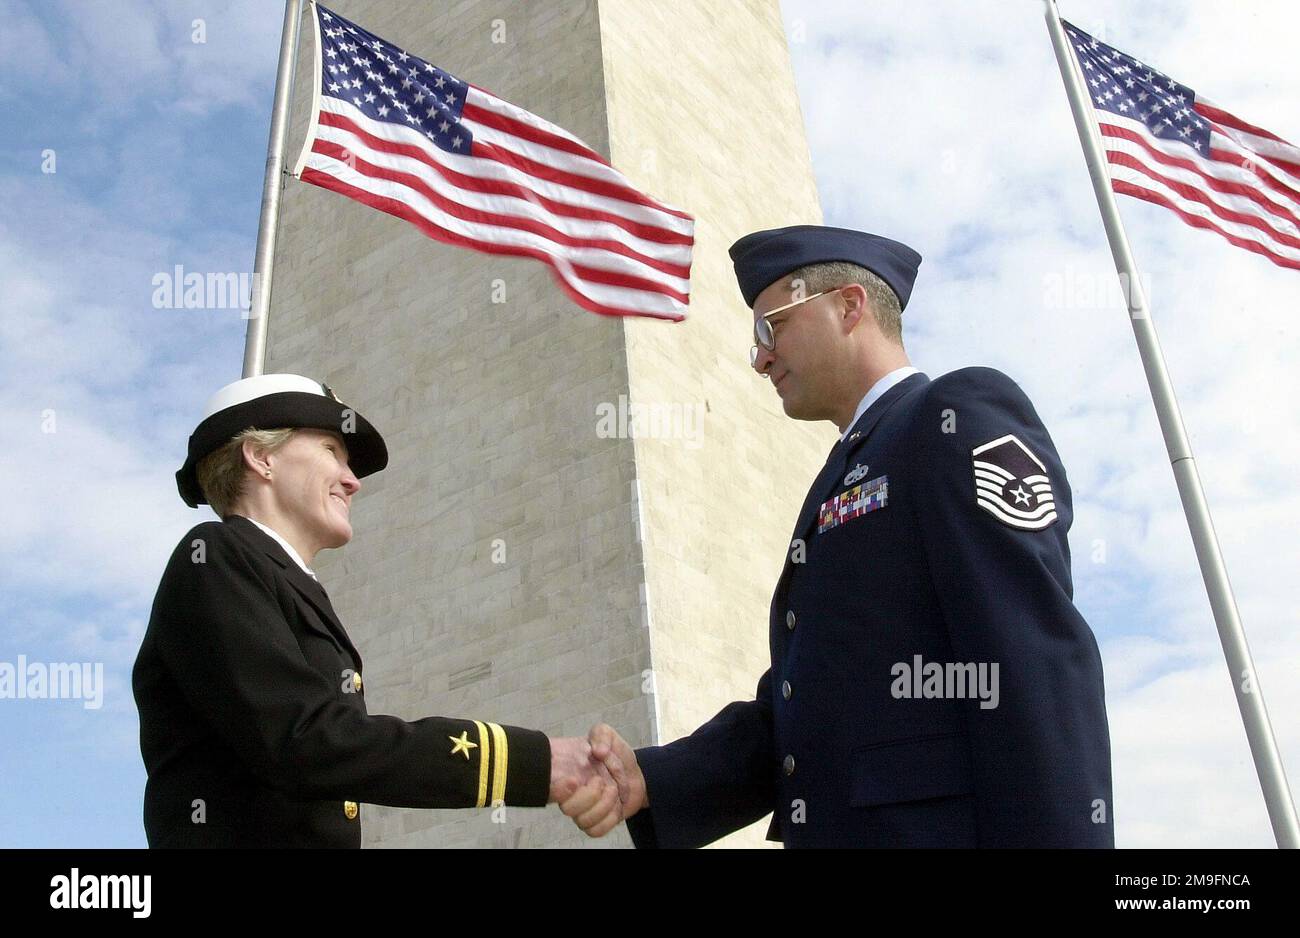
x: 221, y: 472
x: 884, y: 302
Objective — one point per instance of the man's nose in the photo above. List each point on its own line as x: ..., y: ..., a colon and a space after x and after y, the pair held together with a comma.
x: 351, y: 484
x: 763, y: 360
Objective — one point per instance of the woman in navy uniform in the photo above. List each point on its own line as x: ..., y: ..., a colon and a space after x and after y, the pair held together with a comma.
x: 253, y: 721
x: 932, y: 683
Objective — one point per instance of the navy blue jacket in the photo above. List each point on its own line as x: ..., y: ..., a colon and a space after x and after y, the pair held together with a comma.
x: 931, y: 548
x: 253, y: 722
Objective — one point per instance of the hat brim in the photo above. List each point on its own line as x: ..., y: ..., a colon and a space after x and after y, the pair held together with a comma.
x: 298, y: 410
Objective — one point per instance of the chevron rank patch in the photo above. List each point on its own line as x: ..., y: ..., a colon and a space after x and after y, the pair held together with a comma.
x: 1011, y: 484
x: 856, y: 501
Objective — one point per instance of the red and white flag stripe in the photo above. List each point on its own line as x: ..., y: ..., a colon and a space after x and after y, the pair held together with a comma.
x: 526, y: 187
x: 1245, y: 186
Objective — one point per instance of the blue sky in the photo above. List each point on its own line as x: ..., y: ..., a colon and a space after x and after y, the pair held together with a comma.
x: 943, y: 125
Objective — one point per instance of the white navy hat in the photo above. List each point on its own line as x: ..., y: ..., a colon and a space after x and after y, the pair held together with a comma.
x: 271, y: 402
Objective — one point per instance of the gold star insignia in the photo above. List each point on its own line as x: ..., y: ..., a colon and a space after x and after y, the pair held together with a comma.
x: 462, y: 744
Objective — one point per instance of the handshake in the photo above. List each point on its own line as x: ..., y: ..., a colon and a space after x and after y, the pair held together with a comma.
x: 596, y: 781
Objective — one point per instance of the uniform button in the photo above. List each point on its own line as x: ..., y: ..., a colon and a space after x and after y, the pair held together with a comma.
x: 351, y: 810
x: 787, y: 765
x: 789, y: 618
x: 785, y: 689
x: 356, y: 681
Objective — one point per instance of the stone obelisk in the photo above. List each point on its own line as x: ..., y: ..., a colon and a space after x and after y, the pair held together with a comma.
x: 583, y: 517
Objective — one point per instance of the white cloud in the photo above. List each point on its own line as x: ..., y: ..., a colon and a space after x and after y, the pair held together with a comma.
x: 24, y: 39
x: 115, y: 55
x: 95, y: 498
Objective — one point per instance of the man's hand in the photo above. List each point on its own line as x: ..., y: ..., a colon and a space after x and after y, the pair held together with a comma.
x: 584, y: 787
x: 617, y: 756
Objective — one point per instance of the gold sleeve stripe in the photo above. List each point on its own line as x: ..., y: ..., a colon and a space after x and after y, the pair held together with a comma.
x: 483, y: 749
x: 500, y: 752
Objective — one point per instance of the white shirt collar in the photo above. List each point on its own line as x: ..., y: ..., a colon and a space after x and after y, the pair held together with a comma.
x: 877, y: 392
x: 288, y: 548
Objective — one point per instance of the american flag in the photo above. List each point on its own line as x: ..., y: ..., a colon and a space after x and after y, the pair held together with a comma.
x: 467, y: 168
x: 1168, y: 145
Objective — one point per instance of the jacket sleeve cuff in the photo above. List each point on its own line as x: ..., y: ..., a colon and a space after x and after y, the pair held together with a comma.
x: 525, y: 765
x: 642, y: 828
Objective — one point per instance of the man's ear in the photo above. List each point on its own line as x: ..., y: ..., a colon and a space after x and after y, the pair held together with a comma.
x: 856, y: 306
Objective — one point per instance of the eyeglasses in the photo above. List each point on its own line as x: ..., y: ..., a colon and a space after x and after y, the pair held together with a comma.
x: 763, y: 333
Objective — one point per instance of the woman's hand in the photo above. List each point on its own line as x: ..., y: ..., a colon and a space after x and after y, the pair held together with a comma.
x: 583, y: 787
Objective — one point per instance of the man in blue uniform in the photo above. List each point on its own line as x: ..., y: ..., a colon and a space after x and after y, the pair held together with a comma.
x: 931, y: 682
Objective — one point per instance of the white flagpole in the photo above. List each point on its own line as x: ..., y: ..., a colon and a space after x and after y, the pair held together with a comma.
x: 1250, y: 696
x: 264, y: 262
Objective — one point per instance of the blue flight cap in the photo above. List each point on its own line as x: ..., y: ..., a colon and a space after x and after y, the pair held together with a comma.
x: 764, y: 257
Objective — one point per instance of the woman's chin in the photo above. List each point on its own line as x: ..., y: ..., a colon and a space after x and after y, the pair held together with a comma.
x: 340, y: 533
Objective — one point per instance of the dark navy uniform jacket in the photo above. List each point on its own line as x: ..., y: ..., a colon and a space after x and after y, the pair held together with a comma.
x: 253, y: 721
x: 933, y: 542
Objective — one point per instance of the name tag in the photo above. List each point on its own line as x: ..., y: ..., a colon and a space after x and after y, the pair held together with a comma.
x: 856, y: 501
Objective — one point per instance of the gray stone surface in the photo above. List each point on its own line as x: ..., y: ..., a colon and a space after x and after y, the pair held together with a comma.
x: 636, y: 572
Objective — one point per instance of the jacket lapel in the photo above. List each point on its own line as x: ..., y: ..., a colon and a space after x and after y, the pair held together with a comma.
x: 823, y: 481
x: 308, y: 587
x: 837, y: 463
